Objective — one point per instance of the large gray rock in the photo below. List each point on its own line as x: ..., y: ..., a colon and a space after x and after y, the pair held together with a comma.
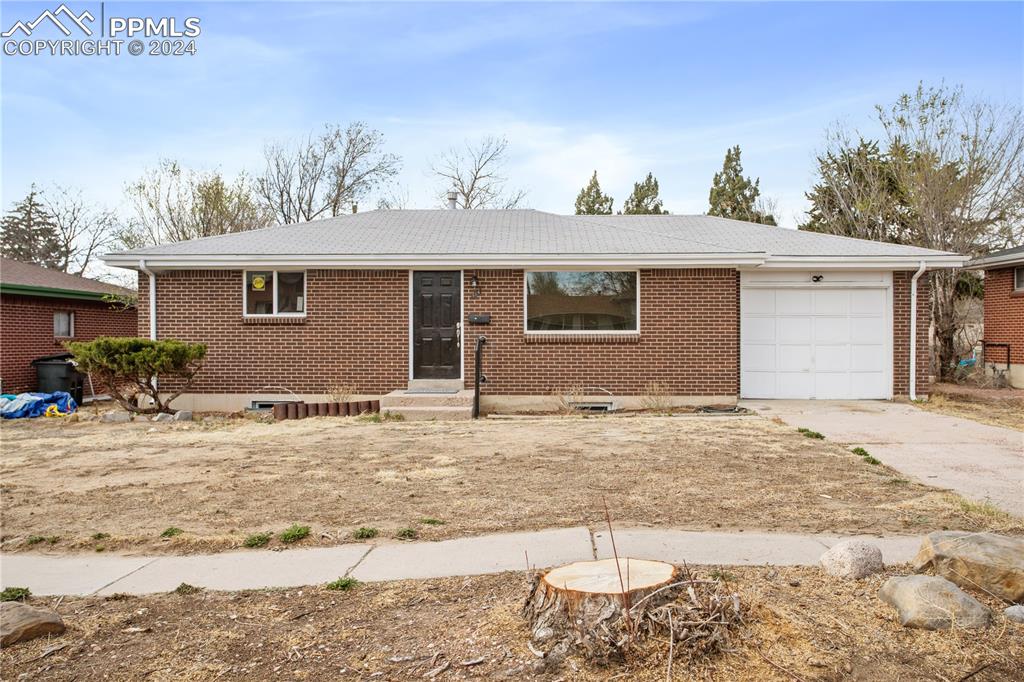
x: 1014, y: 613
x: 932, y: 603
x: 20, y: 622
x: 852, y: 559
x: 117, y: 417
x: 183, y: 416
x: 984, y: 561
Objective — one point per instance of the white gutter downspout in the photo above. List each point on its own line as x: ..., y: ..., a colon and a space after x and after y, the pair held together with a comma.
x: 152, y: 298
x: 913, y: 330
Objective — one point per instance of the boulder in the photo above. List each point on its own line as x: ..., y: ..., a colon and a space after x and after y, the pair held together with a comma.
x: 163, y: 417
x: 932, y: 603
x: 1014, y: 613
x: 183, y: 416
x: 20, y: 622
x: 117, y: 417
x: 852, y: 559
x: 983, y: 561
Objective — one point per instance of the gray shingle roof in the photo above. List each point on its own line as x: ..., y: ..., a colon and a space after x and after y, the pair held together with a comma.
x: 1004, y: 258
x: 523, y: 232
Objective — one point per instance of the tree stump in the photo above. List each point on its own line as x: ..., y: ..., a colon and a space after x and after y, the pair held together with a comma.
x: 584, y: 605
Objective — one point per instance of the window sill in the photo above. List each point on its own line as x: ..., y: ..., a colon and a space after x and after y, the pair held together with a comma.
x: 1017, y: 293
x: 588, y: 338
x: 274, y: 319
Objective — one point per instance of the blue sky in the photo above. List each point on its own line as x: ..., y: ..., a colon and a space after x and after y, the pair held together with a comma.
x: 620, y: 88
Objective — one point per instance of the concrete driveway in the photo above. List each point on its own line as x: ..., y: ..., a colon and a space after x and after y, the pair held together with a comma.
x: 979, y: 461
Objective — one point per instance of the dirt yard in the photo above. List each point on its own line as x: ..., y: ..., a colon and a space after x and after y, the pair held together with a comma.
x: 116, y: 487
x: 998, y: 407
x: 800, y: 625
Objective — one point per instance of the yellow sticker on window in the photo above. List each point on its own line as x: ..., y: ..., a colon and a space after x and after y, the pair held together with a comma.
x: 259, y: 283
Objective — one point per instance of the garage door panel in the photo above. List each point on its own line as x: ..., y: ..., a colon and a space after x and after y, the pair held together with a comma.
x: 760, y: 384
x: 793, y: 329
x: 793, y: 301
x: 806, y: 342
x: 758, y: 329
x: 869, y: 384
x: 794, y: 358
x: 835, y: 302
x: 832, y: 358
x: 794, y: 386
x: 759, y: 357
x: 760, y: 300
x: 831, y: 386
x: 867, y: 301
x: 868, y: 358
x: 868, y: 330
x: 831, y: 329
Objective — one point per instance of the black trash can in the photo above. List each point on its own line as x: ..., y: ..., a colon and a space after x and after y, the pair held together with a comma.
x: 58, y: 373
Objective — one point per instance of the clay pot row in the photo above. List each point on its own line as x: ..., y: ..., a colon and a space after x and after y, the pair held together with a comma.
x: 303, y: 410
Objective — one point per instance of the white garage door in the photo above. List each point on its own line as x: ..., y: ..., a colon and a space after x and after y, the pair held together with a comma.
x: 828, y: 341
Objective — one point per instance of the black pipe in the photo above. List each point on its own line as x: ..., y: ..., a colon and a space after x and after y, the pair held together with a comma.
x: 478, y: 376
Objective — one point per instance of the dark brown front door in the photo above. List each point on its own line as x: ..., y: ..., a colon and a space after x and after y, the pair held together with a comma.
x: 436, y: 325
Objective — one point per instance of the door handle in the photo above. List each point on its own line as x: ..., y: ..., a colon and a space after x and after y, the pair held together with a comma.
x: 458, y: 334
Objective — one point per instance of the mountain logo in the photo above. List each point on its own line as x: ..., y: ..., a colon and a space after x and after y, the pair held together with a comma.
x: 69, y: 16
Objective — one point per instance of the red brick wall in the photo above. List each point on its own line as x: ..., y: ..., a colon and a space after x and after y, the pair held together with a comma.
x: 688, y: 341
x: 26, y: 332
x: 355, y: 331
x: 1004, y: 315
x: 356, y: 334
x: 901, y: 333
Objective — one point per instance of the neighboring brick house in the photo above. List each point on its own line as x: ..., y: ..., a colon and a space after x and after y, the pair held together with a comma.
x: 41, y: 309
x: 691, y: 309
x: 1004, y: 312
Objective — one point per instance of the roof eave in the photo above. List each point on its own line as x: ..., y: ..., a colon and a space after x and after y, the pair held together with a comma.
x: 28, y: 290
x: 401, y: 261
x: 994, y: 262
x: 931, y: 261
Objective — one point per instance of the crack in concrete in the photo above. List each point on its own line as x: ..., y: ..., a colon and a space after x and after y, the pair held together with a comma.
x: 129, y: 573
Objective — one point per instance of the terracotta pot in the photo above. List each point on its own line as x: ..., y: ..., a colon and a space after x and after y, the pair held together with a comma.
x: 332, y: 409
x: 374, y: 406
x: 364, y: 406
x: 292, y: 411
x: 303, y: 411
x: 343, y: 409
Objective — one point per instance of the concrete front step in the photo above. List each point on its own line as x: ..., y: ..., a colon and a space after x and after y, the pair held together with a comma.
x: 431, y: 412
x: 413, y: 399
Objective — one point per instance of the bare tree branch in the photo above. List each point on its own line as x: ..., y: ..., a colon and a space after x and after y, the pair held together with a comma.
x: 82, y: 229
x: 322, y: 175
x: 474, y: 174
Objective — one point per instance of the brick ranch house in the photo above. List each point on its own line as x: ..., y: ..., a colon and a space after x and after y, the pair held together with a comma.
x: 697, y: 309
x: 41, y: 309
x: 1004, y: 312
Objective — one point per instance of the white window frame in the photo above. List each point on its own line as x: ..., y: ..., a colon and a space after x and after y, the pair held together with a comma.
x: 1018, y: 271
x: 577, y: 332
x: 71, y: 324
x: 245, y: 293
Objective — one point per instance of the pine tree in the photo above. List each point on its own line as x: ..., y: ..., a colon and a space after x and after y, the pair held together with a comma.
x: 735, y: 196
x: 592, y: 201
x: 29, y: 234
x: 644, y: 200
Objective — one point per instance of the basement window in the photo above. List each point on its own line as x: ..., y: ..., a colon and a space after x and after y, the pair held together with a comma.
x: 587, y: 302
x: 64, y: 324
x: 268, y: 293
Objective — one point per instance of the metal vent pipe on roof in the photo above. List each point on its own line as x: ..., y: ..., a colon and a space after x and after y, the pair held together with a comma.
x: 452, y: 199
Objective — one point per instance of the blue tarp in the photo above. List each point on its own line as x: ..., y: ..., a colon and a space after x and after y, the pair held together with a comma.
x: 35, y: 404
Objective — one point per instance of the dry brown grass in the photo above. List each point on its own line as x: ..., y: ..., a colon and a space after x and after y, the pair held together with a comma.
x: 800, y: 624
x: 222, y: 481
x: 1005, y: 412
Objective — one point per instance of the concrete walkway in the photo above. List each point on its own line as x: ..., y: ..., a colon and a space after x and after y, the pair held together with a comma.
x: 979, y: 461
x: 103, y: 575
